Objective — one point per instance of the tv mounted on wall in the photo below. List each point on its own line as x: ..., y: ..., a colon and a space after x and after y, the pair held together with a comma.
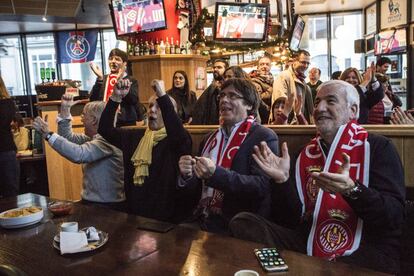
x: 140, y: 16
x: 240, y: 22
x: 296, y: 33
x: 391, y: 41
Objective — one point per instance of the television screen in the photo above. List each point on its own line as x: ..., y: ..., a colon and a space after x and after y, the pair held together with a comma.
x: 390, y: 42
x: 240, y: 22
x: 296, y: 34
x: 138, y: 16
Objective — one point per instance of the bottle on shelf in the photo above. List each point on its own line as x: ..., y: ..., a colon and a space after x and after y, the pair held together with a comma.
x: 146, y: 48
x: 167, y: 46
x: 157, y: 46
x: 152, y: 48
x: 131, y: 47
x: 162, y: 47
x: 136, y: 48
x: 48, y: 77
x: 141, y: 48
x: 53, y: 74
x: 177, y: 48
x: 172, y: 47
x: 43, y: 74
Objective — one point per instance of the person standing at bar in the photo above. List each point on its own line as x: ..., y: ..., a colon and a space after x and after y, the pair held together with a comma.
x: 9, y: 165
x: 129, y: 112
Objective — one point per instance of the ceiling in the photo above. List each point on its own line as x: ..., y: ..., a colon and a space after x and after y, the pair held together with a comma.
x: 26, y: 16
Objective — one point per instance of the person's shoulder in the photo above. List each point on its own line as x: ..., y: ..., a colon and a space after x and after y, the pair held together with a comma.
x: 262, y: 131
x: 378, y: 141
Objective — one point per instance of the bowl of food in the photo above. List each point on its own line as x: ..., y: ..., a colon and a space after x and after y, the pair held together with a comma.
x: 20, y: 217
x: 60, y: 208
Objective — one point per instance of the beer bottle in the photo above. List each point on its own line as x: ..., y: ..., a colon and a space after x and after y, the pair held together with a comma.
x: 167, y: 46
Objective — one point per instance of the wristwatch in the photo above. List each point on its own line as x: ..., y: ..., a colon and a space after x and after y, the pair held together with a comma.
x: 355, y: 191
x: 50, y: 133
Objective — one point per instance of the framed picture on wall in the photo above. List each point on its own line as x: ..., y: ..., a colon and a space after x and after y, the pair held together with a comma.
x: 371, y: 19
x: 393, y: 13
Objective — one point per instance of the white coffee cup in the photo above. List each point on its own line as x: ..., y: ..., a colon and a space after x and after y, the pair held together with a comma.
x: 71, y: 226
x: 246, y: 272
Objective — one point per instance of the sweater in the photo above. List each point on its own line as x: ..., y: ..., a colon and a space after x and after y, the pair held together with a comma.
x: 7, y: 111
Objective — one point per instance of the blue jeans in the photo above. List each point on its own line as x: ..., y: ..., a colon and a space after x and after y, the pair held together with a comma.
x: 9, y: 174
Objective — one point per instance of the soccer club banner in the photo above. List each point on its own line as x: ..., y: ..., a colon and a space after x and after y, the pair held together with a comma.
x: 76, y: 47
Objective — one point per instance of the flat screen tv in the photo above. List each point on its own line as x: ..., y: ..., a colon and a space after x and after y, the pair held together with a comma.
x: 240, y: 22
x: 391, y: 41
x: 296, y: 33
x: 140, y: 16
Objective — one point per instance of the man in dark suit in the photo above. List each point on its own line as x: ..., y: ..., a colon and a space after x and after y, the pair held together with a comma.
x: 103, y: 88
x: 229, y: 179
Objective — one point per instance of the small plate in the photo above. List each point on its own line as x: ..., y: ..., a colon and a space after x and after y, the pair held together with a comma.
x: 92, y: 245
x: 21, y: 220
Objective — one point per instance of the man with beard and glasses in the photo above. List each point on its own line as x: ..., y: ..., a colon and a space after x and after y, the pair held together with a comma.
x: 225, y: 173
x: 292, y: 81
x: 130, y: 112
x: 343, y: 196
x: 205, y: 111
x: 151, y: 160
x: 262, y: 78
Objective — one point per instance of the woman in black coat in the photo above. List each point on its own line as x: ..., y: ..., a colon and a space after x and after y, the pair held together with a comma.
x: 184, y: 97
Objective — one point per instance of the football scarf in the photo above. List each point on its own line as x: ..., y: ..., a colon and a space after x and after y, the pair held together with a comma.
x: 336, y: 229
x: 212, y: 199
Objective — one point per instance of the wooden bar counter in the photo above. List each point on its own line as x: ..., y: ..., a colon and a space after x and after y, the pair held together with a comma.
x: 147, y: 68
x: 64, y: 177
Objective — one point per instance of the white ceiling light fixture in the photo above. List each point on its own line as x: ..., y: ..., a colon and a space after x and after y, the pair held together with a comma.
x: 44, y: 18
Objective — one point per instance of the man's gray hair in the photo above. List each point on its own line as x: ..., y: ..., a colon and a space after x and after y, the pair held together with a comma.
x: 352, y: 96
x: 95, y: 109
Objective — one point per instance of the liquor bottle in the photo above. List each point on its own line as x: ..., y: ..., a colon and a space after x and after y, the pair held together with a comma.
x: 53, y: 74
x: 131, y: 47
x: 172, y: 47
x: 152, y: 48
x: 162, y: 47
x: 157, y: 47
x: 47, y: 74
x: 177, y: 48
x: 42, y: 74
x: 136, y: 48
x: 167, y: 46
x: 146, y: 48
x: 141, y: 48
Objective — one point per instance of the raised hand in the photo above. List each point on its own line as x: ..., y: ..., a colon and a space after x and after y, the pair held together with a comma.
x: 275, y: 167
x: 186, y: 164
x: 96, y: 70
x: 66, y: 104
x: 41, y: 125
x: 298, y: 104
x: 339, y: 182
x: 158, y: 87
x: 204, y: 167
x: 369, y: 75
x: 289, y: 104
x: 400, y: 117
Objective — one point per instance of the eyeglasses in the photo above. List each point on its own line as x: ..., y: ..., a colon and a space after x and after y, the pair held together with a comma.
x: 230, y: 95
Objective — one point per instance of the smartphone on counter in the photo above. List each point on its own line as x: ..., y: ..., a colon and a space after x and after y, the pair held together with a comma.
x: 270, y: 260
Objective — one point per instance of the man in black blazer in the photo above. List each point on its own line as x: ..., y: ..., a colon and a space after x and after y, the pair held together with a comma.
x: 229, y: 179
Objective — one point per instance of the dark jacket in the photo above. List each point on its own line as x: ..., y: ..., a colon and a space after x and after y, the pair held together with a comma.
x: 367, y: 100
x: 245, y: 185
x: 380, y: 205
x: 185, y: 107
x: 130, y: 105
x: 158, y: 196
x: 206, y: 109
x: 7, y: 111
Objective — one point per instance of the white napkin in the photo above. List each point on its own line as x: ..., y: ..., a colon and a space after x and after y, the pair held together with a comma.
x: 73, y: 242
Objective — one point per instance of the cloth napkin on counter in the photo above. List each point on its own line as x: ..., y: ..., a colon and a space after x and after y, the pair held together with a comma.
x: 73, y: 242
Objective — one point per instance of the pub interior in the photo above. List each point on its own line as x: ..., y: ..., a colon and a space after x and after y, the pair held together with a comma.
x: 187, y: 137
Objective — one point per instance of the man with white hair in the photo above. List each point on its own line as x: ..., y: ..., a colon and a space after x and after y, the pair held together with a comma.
x: 342, y: 198
x: 101, y: 162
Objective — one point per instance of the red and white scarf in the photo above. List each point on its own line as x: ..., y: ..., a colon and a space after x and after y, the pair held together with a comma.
x: 223, y: 155
x: 336, y: 229
x: 109, y: 86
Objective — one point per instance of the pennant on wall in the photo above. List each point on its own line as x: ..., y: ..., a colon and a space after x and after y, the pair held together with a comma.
x: 76, y: 47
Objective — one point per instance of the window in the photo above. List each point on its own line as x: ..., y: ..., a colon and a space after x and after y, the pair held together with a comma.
x: 41, y: 53
x: 314, y: 40
x: 11, y: 65
x: 346, y: 27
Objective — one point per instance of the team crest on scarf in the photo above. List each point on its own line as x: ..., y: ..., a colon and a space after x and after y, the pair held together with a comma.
x: 336, y: 229
x: 223, y: 156
x: 109, y: 86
